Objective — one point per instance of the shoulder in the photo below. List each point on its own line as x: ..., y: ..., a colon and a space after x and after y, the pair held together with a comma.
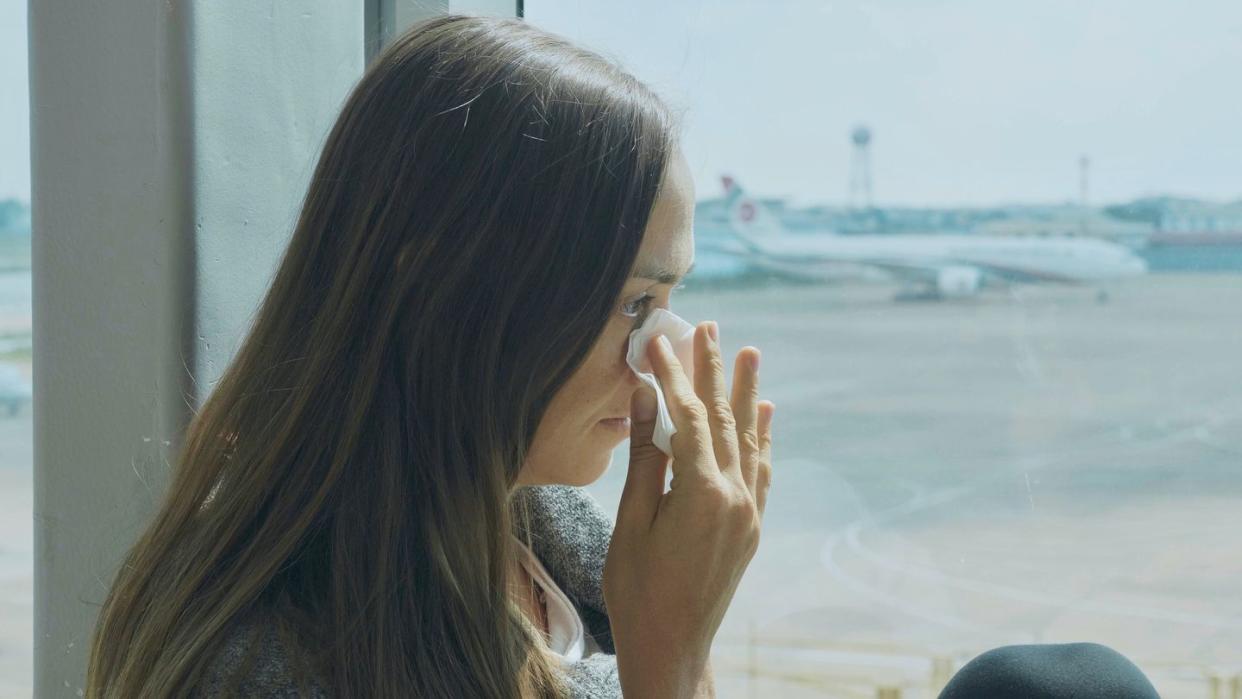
x: 565, y: 505
x: 594, y: 676
x: 570, y: 532
x: 257, y: 660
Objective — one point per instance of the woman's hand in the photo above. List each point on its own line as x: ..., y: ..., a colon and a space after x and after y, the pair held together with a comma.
x: 676, y: 558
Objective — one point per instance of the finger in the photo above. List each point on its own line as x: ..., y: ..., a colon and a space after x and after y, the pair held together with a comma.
x: 687, y: 411
x: 745, y: 412
x: 764, y: 473
x: 709, y: 384
x: 644, y: 477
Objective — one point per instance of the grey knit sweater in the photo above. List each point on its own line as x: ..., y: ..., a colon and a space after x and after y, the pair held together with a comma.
x: 570, y: 533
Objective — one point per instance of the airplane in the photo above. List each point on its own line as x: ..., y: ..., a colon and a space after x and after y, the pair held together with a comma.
x: 936, y: 266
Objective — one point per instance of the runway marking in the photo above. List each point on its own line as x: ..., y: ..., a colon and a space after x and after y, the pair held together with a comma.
x: 852, y: 539
x: 921, y: 500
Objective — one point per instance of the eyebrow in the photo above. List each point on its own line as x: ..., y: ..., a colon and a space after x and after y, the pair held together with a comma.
x: 662, y: 274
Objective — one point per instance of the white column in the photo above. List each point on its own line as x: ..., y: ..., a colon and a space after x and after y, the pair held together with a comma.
x: 171, y: 143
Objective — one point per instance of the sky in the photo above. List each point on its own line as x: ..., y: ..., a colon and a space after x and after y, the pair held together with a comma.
x: 970, y: 102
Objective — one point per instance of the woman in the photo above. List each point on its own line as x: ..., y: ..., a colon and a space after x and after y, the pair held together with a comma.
x: 380, y: 496
x: 448, y: 328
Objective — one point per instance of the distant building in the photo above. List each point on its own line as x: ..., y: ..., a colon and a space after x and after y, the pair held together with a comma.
x: 1201, y: 224
x: 1178, y: 221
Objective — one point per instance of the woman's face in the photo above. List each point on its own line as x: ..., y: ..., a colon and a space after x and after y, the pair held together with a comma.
x: 572, y: 446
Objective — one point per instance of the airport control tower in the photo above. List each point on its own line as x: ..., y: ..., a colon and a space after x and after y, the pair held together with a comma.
x: 860, y: 169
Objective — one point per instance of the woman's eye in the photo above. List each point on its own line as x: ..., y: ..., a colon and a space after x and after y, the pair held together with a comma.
x: 633, y: 308
x: 639, y: 305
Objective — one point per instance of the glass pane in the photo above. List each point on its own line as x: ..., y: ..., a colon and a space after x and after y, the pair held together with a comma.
x: 16, y: 452
x: 992, y: 254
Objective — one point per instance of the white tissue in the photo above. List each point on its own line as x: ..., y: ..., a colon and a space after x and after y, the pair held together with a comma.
x: 680, y: 335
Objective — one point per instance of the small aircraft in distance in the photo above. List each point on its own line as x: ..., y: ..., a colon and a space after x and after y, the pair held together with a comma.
x: 932, y: 265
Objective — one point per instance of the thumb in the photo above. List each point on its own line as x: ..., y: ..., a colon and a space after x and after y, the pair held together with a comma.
x: 644, y: 479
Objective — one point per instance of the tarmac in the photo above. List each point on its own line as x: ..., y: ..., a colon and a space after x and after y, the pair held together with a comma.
x: 1031, y: 465
x: 1037, y: 464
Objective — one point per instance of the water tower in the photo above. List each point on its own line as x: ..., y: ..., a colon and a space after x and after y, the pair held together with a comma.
x: 860, y: 169
x: 1084, y: 164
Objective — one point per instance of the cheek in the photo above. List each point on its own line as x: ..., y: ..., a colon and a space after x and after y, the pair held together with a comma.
x: 606, y: 370
x: 600, y: 366
x: 621, y: 348
x: 620, y: 344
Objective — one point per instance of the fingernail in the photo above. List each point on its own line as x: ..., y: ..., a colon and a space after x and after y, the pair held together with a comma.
x: 664, y: 343
x: 714, y: 331
x: 754, y: 361
x: 644, y: 406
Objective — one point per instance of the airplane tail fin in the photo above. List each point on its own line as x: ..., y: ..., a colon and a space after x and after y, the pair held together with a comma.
x: 749, y: 219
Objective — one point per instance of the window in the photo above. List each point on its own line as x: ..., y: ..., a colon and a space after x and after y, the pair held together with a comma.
x: 1008, y: 394
x: 16, y: 450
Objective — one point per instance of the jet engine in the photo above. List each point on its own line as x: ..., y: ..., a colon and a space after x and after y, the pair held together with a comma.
x: 958, y: 280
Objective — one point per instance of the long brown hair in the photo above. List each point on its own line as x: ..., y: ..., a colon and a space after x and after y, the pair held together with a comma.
x: 465, y: 237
